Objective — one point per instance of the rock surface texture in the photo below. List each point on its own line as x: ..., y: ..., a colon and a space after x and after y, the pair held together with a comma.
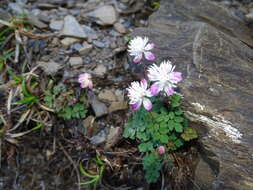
x: 212, y: 49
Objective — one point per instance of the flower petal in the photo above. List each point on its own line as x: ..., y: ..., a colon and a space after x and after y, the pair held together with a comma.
x: 154, y: 89
x: 177, y: 76
x: 147, y: 104
x: 170, y: 91
x: 149, y: 56
x: 137, y: 58
x: 149, y: 46
x: 90, y: 85
x: 136, y: 106
x: 144, y: 83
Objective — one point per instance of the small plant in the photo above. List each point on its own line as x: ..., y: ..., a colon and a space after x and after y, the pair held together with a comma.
x: 97, y: 166
x: 160, y: 124
x: 64, y: 103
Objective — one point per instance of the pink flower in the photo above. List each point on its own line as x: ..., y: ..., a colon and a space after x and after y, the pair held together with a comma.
x: 164, y: 78
x: 139, y: 46
x: 138, y: 95
x: 161, y: 150
x: 85, y: 80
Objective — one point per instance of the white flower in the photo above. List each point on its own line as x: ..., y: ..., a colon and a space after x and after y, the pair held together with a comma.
x: 138, y: 94
x: 139, y: 46
x: 164, y: 77
x: 85, y: 80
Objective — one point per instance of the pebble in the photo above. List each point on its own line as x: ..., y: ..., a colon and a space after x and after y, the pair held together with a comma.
x: 107, y: 96
x: 99, y: 44
x: 120, y: 28
x: 66, y: 42
x: 86, y: 48
x: 117, y: 106
x: 50, y: 67
x: 76, y: 46
x: 33, y: 20
x: 75, y: 61
x: 100, y: 70
x: 105, y: 15
x: 56, y: 24
x: 113, y: 137
x: 72, y: 28
x: 99, y: 138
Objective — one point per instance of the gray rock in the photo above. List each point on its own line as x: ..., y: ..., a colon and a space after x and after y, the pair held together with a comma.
x: 100, y: 70
x: 66, y: 42
x: 99, y: 44
x: 98, y: 107
x: 107, y: 96
x: 120, y: 28
x: 92, y: 34
x: 72, y: 28
x: 117, y: 106
x: 249, y: 16
x: 56, y: 24
x: 99, y: 138
x: 113, y: 137
x: 86, y: 48
x: 33, y: 20
x: 17, y: 8
x: 46, y: 6
x: 207, y: 45
x: 49, y: 67
x: 105, y: 15
x: 76, y: 46
x: 75, y: 61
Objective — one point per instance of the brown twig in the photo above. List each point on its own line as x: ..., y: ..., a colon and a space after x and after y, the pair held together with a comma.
x: 73, y: 163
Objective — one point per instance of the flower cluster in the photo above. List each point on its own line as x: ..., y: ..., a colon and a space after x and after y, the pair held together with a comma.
x: 163, y: 77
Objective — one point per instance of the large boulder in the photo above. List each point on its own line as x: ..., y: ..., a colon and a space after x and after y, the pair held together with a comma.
x: 210, y: 47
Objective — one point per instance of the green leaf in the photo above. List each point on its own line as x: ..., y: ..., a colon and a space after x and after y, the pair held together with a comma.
x: 175, y: 104
x: 144, y: 147
x: 189, y: 134
x: 178, y: 127
x: 171, y: 115
x: 179, y: 112
x: 178, y: 143
x: 164, y: 138
x: 171, y: 124
x: 178, y: 119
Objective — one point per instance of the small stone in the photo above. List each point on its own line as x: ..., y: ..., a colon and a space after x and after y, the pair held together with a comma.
x: 86, y: 48
x: 105, y: 15
x: 120, y: 94
x: 72, y: 28
x: 66, y: 42
x: 249, y: 16
x: 49, y: 67
x: 90, y: 126
x: 99, y: 108
x: 120, y: 28
x: 33, y: 20
x: 76, y: 46
x: 17, y: 9
x: 46, y: 6
x: 92, y: 34
x: 113, y: 137
x: 56, y: 24
x: 100, y: 70
x: 117, y: 106
x: 99, y: 44
x: 75, y: 61
x: 99, y: 138
x: 107, y: 96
